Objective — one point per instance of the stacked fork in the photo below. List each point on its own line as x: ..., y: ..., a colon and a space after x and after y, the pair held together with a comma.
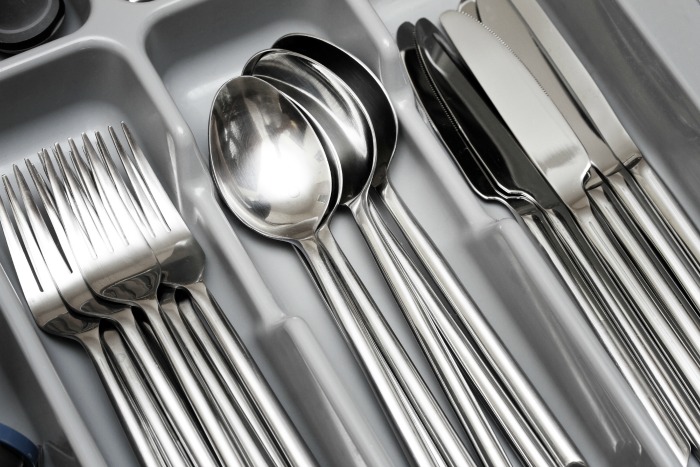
x: 97, y: 253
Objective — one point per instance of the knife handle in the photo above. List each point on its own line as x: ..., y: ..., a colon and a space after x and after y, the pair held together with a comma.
x: 651, y: 380
x: 538, y: 414
x: 687, y: 325
x: 667, y: 206
x: 664, y: 242
x: 639, y: 295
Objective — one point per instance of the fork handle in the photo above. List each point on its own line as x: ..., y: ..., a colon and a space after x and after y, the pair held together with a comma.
x: 474, y: 321
x: 188, y: 432
x: 241, y: 438
x: 666, y: 204
x: 145, y: 445
x: 284, y: 433
x: 155, y: 419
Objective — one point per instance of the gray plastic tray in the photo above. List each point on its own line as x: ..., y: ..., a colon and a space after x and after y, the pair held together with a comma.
x: 157, y: 66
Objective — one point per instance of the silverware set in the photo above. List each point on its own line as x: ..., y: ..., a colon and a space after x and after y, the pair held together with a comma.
x: 529, y: 128
x: 307, y: 128
x: 103, y: 257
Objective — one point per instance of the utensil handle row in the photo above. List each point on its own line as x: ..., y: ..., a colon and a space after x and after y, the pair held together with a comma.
x: 538, y: 414
x: 687, y: 324
x: 289, y: 443
x: 640, y: 365
x: 664, y: 242
x: 142, y: 432
x: 334, y: 277
x: 644, y: 304
x: 236, y: 393
x: 666, y: 205
x: 241, y: 438
x: 424, y: 312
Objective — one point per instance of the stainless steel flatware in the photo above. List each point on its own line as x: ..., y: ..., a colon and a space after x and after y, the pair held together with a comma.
x: 619, y: 174
x: 281, y: 184
x: 478, y: 141
x: 555, y: 150
x: 117, y: 264
x: 333, y: 106
x: 384, y: 122
x: 52, y: 316
x: 182, y: 266
x: 595, y: 106
x: 152, y: 417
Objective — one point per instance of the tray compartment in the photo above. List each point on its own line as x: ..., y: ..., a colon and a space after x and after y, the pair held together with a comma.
x: 159, y: 73
x: 201, y: 59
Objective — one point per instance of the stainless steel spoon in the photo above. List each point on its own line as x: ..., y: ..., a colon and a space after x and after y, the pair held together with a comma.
x: 273, y: 172
x: 383, y: 118
x: 322, y: 94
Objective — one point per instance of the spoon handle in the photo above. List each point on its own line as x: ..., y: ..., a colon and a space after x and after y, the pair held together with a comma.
x: 427, y: 317
x: 544, y: 422
x: 335, y: 276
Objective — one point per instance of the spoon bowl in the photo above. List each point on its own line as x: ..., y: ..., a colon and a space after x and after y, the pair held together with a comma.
x: 323, y: 96
x: 364, y: 84
x: 267, y: 161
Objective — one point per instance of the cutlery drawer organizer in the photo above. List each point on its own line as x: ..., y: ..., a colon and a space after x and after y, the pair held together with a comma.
x: 157, y: 66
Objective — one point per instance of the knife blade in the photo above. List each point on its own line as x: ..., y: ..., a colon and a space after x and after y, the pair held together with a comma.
x: 503, y: 19
x: 593, y: 103
x: 516, y: 427
x: 551, y: 144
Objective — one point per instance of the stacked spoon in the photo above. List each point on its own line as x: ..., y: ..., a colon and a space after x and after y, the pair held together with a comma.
x: 308, y: 128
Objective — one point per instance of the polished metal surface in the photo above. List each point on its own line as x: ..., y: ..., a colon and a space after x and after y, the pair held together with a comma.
x: 512, y: 89
x: 383, y: 119
x: 242, y: 107
x: 182, y: 265
x: 477, y: 141
x: 334, y: 107
x: 52, y: 316
x: 78, y: 298
x: 502, y: 17
x: 117, y: 264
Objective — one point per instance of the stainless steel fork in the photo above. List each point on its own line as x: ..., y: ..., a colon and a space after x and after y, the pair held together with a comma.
x: 117, y: 264
x: 182, y: 266
x: 52, y: 316
x: 77, y: 296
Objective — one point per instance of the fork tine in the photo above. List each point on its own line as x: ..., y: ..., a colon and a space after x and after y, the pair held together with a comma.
x: 133, y: 206
x: 40, y: 230
x: 83, y: 207
x: 69, y: 218
x: 110, y: 195
x: 84, y: 175
x: 33, y: 275
x: 105, y: 221
x: 158, y: 195
x: 126, y: 194
x: 52, y: 213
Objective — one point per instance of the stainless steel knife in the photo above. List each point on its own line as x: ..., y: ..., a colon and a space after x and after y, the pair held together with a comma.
x: 463, y: 111
x: 553, y: 147
x: 502, y: 17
